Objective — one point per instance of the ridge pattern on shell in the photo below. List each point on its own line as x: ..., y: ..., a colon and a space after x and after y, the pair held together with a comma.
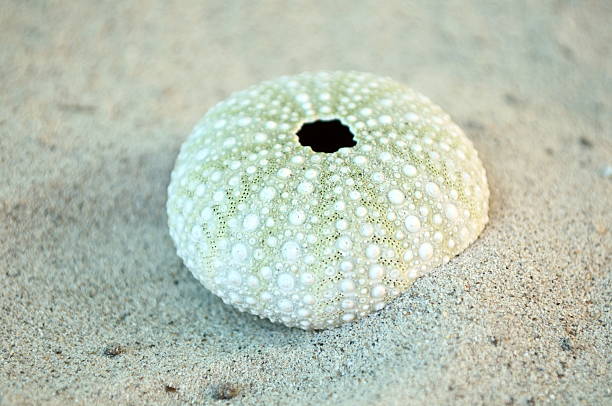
x: 312, y: 239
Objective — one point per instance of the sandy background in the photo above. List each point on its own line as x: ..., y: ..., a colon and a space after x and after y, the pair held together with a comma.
x: 95, y: 307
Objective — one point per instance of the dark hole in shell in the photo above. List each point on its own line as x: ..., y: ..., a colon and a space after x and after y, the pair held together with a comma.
x: 326, y: 136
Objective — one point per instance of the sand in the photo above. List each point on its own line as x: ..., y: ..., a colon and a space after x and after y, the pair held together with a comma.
x: 96, y: 308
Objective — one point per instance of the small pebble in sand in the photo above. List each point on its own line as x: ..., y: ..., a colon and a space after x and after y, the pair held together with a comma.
x: 314, y: 200
x: 606, y: 171
x: 113, y: 350
x: 225, y: 391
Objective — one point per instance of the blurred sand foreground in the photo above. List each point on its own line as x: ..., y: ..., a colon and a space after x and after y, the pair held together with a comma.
x: 95, y: 100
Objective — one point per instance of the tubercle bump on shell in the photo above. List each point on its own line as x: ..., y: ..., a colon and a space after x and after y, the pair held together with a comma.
x: 315, y: 240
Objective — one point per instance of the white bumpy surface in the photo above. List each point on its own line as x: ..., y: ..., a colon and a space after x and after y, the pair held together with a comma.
x: 313, y: 239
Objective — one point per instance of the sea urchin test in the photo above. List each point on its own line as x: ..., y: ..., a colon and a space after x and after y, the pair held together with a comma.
x: 313, y: 200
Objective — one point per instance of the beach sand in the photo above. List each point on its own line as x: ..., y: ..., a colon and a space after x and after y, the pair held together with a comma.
x: 96, y: 307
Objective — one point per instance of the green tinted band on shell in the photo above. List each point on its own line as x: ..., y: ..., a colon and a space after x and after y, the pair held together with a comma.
x: 316, y: 239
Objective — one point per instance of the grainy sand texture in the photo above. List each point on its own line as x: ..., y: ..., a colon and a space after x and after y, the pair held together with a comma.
x: 96, y: 308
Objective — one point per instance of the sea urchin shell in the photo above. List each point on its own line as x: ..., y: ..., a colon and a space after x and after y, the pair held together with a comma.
x: 314, y: 238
